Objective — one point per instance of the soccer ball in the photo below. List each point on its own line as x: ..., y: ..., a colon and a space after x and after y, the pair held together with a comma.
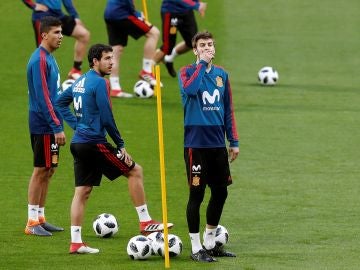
x: 139, y: 248
x: 221, y: 236
x: 156, y: 238
x: 142, y: 89
x: 105, y: 225
x: 66, y: 84
x: 268, y: 76
x: 158, y: 245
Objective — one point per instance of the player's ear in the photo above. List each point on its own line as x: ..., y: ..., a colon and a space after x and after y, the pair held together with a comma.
x: 195, y: 51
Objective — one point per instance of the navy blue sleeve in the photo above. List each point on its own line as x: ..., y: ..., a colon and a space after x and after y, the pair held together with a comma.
x: 190, y: 83
x: 70, y: 8
x: 106, y: 115
x: 229, y: 118
x: 62, y: 105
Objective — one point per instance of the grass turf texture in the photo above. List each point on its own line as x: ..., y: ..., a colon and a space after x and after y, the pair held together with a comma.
x: 294, y: 203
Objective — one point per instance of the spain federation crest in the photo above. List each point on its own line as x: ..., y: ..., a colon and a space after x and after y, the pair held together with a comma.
x: 219, y: 81
x: 195, y: 181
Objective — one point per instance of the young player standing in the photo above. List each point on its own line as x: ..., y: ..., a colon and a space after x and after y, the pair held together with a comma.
x: 93, y: 155
x: 71, y: 26
x: 123, y: 20
x: 46, y: 130
x: 208, y: 116
x: 177, y: 15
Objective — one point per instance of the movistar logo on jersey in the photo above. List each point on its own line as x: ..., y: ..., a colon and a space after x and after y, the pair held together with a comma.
x: 196, y: 168
x: 209, y: 100
x: 79, y: 86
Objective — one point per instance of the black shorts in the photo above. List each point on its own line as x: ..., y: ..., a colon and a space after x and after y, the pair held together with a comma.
x: 119, y: 30
x: 91, y: 161
x: 68, y: 26
x: 207, y: 166
x: 45, y: 150
x: 185, y: 23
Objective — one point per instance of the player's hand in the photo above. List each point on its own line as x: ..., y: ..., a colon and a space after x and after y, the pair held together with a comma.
x: 127, y: 158
x: 78, y: 21
x: 41, y: 7
x: 60, y: 138
x: 207, y: 56
x: 202, y: 8
x: 233, y: 153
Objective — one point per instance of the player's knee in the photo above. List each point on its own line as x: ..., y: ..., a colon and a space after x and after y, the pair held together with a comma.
x: 154, y: 32
x: 219, y: 194
x: 136, y: 172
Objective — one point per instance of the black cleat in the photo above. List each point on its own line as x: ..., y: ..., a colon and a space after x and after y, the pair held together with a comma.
x: 219, y: 252
x: 170, y: 68
x: 202, y: 256
x: 51, y: 228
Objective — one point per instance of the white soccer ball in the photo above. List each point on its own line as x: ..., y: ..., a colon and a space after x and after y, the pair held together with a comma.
x: 142, y: 89
x: 221, y: 236
x: 268, y: 76
x: 105, y: 225
x: 67, y: 83
x: 158, y: 244
x: 139, y: 247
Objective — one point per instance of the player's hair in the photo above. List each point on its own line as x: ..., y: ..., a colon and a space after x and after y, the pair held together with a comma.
x: 47, y: 22
x: 201, y: 35
x: 96, y: 52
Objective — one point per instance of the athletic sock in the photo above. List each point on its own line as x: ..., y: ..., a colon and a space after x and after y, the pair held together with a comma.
x: 195, y: 242
x: 33, y: 212
x: 75, y: 234
x: 143, y: 213
x: 171, y: 57
x: 115, y: 83
x: 147, y: 65
x: 209, y: 238
x: 41, y: 214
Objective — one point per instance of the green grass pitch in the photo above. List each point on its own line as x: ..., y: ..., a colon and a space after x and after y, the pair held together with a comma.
x: 295, y: 200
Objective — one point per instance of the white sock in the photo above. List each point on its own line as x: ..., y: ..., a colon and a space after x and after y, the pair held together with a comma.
x: 143, y: 213
x: 41, y: 211
x: 147, y: 65
x: 209, y: 238
x: 33, y: 212
x: 115, y: 83
x: 75, y: 234
x: 195, y: 242
x: 171, y: 57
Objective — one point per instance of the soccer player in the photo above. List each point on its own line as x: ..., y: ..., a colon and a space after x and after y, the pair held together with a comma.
x: 71, y: 26
x: 123, y: 20
x: 208, y: 116
x: 177, y: 15
x: 45, y: 123
x: 93, y: 155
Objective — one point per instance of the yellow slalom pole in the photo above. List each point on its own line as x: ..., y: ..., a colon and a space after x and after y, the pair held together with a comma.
x: 162, y: 165
x: 145, y: 10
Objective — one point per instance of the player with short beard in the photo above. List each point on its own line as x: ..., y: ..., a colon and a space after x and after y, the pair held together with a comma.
x: 93, y: 155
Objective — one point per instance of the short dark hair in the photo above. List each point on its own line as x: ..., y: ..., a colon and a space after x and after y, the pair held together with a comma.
x: 96, y: 52
x: 47, y: 22
x: 201, y: 35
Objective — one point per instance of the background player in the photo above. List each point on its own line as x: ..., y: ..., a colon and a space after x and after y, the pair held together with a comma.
x: 123, y: 20
x: 208, y: 116
x: 71, y: 26
x: 177, y: 15
x: 46, y: 130
x: 93, y: 155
